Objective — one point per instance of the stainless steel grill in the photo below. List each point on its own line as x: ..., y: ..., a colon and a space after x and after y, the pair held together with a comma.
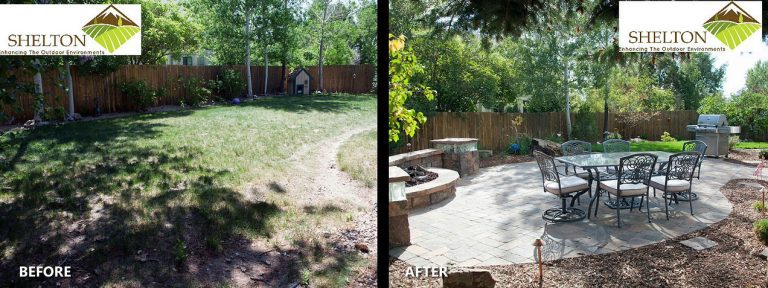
x: 713, y: 129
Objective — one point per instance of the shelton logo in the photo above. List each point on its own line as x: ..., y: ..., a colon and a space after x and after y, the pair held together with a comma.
x: 732, y: 25
x: 111, y: 28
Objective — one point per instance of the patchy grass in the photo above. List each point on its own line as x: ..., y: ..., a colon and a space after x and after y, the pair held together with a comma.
x: 95, y: 194
x: 674, y: 146
x: 357, y: 157
x: 752, y: 145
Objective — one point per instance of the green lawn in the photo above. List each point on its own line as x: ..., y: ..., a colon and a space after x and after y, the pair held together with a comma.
x: 357, y: 157
x: 752, y: 145
x: 675, y: 146
x: 94, y: 193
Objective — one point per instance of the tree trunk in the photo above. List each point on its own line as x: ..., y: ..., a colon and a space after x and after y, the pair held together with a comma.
x: 266, y: 70
x: 248, y: 51
x: 567, y: 102
x: 70, y: 90
x: 40, y: 98
x: 282, y: 76
x: 605, y: 111
x: 322, y: 47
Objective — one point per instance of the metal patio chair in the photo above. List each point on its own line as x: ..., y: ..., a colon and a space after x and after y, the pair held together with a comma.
x: 678, y: 177
x: 611, y: 146
x: 575, y: 147
x: 616, y: 145
x: 632, y: 180
x: 698, y: 146
x: 562, y: 186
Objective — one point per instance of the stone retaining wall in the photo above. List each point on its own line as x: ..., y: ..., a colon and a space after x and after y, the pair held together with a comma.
x: 425, y: 158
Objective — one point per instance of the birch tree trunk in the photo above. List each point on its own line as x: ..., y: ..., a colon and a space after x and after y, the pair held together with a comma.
x: 567, y: 101
x: 248, y: 51
x: 40, y: 99
x: 322, y: 45
x: 266, y: 70
x: 70, y: 91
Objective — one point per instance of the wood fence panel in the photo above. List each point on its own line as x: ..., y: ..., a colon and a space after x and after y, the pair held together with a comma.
x: 92, y: 92
x: 495, y: 130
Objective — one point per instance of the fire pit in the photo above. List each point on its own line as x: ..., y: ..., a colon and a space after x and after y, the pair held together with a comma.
x: 419, y: 175
x: 432, y: 191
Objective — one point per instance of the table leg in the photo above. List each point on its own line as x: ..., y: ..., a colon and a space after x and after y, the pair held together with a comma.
x: 596, y: 196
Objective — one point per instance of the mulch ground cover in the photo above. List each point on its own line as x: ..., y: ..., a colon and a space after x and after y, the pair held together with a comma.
x: 734, y: 262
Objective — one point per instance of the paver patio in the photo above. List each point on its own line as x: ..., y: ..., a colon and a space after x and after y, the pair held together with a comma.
x: 496, y: 215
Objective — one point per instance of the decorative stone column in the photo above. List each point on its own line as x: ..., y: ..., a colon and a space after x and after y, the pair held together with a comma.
x: 459, y: 154
x: 399, y: 231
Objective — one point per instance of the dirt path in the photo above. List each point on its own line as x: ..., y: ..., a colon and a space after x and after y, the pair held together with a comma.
x: 316, y: 183
x: 329, y: 183
x: 331, y: 186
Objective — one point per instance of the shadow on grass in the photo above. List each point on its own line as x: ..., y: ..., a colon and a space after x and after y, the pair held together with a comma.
x: 330, y: 103
x: 324, y: 266
x: 118, y: 209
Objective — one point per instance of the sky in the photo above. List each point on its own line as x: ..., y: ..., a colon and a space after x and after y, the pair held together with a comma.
x: 738, y: 64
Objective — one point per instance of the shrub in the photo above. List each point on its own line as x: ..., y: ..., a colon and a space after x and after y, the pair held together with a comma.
x: 521, y: 145
x: 665, y: 137
x: 585, y: 124
x: 759, y: 206
x: 228, y: 84
x: 733, y: 140
x: 195, y: 90
x: 763, y: 154
x: 141, y: 93
x: 54, y: 114
x: 761, y: 229
x: 614, y: 135
x: 556, y: 137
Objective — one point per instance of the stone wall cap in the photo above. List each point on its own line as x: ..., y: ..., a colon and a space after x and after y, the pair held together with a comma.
x: 454, y: 140
x: 423, y: 153
x: 396, y: 174
x: 445, y: 178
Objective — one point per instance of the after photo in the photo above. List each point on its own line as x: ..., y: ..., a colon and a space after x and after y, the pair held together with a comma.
x: 577, y: 143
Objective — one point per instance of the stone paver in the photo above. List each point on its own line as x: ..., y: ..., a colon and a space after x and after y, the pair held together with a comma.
x: 496, y: 215
x: 699, y: 243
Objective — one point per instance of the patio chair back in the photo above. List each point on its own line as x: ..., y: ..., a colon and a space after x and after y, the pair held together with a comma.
x: 547, y: 167
x: 616, y: 145
x: 695, y: 145
x: 636, y: 168
x: 682, y: 165
x: 576, y: 147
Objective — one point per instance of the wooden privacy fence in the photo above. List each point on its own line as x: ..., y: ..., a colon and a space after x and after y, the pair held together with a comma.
x: 103, y: 91
x: 495, y: 131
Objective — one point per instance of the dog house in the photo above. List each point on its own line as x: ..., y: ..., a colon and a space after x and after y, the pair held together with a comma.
x: 298, y: 82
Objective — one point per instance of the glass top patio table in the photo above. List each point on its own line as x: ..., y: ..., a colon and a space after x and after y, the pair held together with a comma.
x: 600, y: 159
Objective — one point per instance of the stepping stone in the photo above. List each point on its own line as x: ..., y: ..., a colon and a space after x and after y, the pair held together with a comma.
x: 764, y: 254
x: 699, y: 243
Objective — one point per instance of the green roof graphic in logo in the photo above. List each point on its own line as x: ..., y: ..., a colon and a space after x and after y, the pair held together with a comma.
x: 732, y: 25
x: 111, y: 28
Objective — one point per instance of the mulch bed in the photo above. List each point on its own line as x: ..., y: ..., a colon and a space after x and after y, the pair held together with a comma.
x: 503, y: 158
x: 748, y: 157
x: 734, y: 262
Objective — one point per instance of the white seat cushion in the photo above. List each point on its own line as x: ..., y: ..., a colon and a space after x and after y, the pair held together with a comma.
x: 674, y: 185
x: 626, y: 189
x: 568, y: 184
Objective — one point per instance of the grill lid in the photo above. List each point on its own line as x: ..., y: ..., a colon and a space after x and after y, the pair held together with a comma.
x: 712, y: 120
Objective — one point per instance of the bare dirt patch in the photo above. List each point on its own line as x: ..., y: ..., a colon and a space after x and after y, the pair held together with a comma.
x: 733, y: 262
x: 503, y: 159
